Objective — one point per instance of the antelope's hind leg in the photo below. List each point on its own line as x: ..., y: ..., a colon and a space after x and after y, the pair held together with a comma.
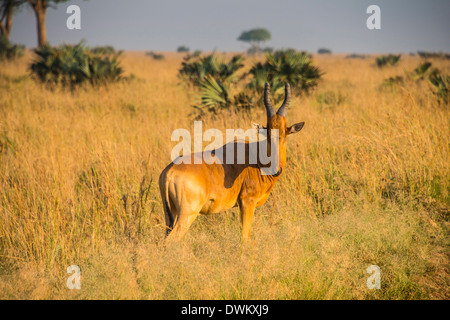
x: 182, y: 224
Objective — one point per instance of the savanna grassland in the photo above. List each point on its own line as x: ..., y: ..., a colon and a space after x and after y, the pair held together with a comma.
x: 367, y: 182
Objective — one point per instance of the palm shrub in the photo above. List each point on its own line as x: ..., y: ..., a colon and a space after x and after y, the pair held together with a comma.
x: 194, y: 69
x: 281, y: 66
x: 259, y: 75
x: 104, y: 50
x: 75, y: 64
x: 216, y: 83
x: 9, y: 51
x: 441, y: 84
x: 213, y: 76
x: 214, y: 96
x: 421, y: 70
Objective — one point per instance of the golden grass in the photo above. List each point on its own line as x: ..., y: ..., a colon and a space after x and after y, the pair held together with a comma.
x: 367, y: 182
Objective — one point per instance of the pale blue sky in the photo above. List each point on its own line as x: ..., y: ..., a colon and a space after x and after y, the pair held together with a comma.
x: 163, y: 25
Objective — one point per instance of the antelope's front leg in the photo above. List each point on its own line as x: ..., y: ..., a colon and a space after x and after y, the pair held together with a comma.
x: 247, y: 208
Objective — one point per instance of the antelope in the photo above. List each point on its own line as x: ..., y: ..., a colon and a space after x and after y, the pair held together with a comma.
x: 188, y: 190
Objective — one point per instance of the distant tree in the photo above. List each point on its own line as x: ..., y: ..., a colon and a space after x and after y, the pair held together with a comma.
x: 40, y: 9
x: 7, y: 8
x: 324, y: 51
x: 355, y: 56
x: 182, y: 49
x: 255, y: 37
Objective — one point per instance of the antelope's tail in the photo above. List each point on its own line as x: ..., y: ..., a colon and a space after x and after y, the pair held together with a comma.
x: 164, y: 189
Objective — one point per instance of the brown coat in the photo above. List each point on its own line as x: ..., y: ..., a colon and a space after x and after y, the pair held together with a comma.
x: 191, y: 189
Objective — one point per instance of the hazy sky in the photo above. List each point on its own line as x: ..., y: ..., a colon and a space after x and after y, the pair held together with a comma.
x: 406, y: 25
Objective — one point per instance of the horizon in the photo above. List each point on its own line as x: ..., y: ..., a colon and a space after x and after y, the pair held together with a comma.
x: 407, y: 26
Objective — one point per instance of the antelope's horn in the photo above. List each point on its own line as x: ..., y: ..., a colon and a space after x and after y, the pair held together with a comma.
x: 268, y: 102
x: 287, y: 98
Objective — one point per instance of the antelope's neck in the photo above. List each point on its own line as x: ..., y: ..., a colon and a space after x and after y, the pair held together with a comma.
x: 278, y: 145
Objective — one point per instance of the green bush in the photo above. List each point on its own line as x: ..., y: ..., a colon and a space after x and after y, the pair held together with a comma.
x: 74, y: 64
x: 214, y: 96
x: 9, y: 51
x: 324, y: 51
x: 389, y: 60
x: 196, y: 53
x: 421, y: 70
x: 156, y: 56
x: 215, y: 77
x: 392, y: 81
x: 195, y: 68
x: 355, y: 56
x: 426, y: 55
x: 104, y: 50
x: 441, y: 84
x: 294, y: 67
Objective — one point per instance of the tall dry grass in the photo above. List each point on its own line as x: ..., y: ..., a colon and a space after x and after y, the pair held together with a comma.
x: 367, y: 182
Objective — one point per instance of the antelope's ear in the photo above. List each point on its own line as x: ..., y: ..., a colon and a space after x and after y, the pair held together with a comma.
x: 295, y: 128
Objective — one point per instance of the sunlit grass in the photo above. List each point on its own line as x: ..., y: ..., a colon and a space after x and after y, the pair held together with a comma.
x: 366, y: 183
